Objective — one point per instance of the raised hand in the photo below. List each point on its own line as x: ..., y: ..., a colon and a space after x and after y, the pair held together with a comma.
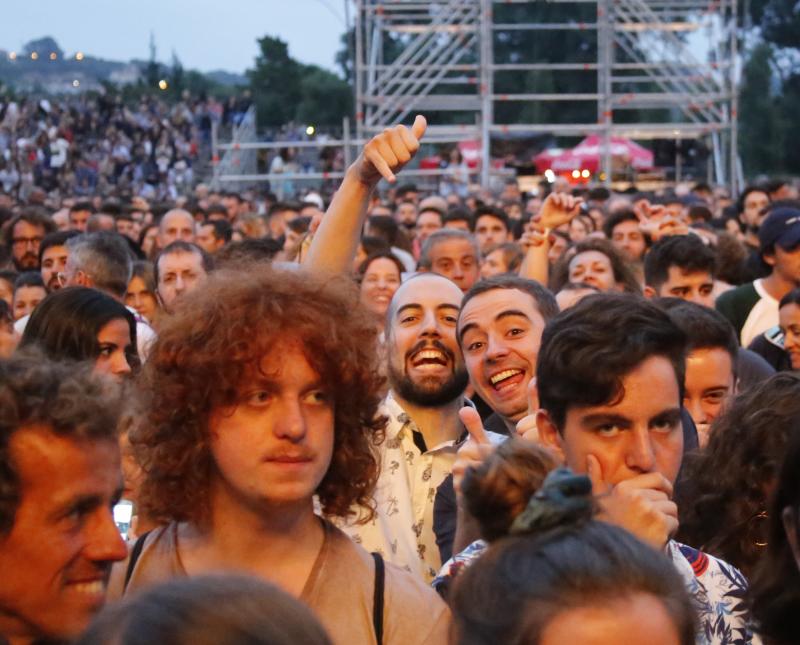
x: 558, y: 209
x: 386, y: 153
x: 474, y: 450
x: 642, y: 505
x: 526, y: 426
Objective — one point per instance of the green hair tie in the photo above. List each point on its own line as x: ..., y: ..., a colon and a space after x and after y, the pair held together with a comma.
x: 564, y: 499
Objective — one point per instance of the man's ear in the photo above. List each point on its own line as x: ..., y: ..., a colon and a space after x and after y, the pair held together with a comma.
x: 649, y: 292
x: 82, y: 279
x: 548, y: 433
x: 769, y: 258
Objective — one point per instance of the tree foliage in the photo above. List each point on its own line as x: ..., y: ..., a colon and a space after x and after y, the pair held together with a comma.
x: 285, y: 89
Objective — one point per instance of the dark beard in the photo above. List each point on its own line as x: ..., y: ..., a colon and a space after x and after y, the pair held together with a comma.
x: 433, y: 395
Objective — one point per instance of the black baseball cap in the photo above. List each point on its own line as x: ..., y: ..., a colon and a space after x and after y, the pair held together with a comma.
x: 781, y: 227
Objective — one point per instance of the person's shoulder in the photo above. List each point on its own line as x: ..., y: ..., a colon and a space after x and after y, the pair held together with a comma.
x: 706, y: 566
x: 414, y: 611
x: 738, y: 294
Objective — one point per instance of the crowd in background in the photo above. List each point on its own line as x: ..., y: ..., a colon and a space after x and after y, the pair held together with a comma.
x: 468, y: 416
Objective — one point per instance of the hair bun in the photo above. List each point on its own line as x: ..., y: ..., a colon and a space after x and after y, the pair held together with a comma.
x: 565, y: 499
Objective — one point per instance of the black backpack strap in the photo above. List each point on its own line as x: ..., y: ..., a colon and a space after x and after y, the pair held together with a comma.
x: 377, y: 601
x: 135, y: 553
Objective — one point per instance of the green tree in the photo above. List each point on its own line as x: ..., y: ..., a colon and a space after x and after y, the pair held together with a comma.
x: 759, y: 118
x: 276, y: 82
x: 326, y: 98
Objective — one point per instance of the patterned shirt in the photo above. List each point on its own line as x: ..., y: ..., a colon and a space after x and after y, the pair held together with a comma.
x: 717, y: 590
x: 402, y: 530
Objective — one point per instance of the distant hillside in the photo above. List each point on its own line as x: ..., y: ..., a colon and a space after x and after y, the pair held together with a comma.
x: 41, y: 65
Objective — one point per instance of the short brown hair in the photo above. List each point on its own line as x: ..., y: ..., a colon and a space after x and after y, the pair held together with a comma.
x: 64, y: 397
x: 206, y: 349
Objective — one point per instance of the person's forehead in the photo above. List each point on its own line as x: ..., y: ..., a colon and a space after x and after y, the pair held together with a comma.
x: 25, y: 226
x: 676, y: 274
x: 382, y: 265
x: 790, y: 312
x: 429, y: 290
x: 177, y: 219
x: 45, y: 460
x: 756, y: 197
x: 713, y: 362
x: 482, y: 310
x: 453, y: 249
x: 626, y: 226
x: 649, y: 389
x: 58, y: 250
x: 489, y: 220
x: 589, y: 257
x: 177, y: 261
x: 426, y: 216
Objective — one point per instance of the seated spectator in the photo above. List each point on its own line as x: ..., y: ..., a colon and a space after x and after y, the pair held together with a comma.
x: 727, y: 485
x: 775, y: 592
x: 208, y: 610
x: 80, y: 324
x: 29, y: 291
x: 562, y: 577
x: 60, y: 479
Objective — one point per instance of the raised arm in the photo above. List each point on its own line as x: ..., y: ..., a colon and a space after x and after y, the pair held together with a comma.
x: 336, y: 240
x: 557, y: 209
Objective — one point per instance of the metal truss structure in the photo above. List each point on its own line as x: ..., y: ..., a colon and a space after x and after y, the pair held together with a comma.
x: 672, y: 62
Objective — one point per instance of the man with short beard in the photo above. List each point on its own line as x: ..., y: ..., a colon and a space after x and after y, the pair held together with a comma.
x: 427, y: 378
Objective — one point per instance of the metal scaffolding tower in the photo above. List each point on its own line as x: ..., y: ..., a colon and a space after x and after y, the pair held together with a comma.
x: 671, y: 62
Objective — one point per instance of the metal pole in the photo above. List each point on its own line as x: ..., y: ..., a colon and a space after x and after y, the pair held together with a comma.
x: 357, y: 71
x: 346, y: 137
x: 486, y: 89
x: 734, y: 113
x: 605, y: 42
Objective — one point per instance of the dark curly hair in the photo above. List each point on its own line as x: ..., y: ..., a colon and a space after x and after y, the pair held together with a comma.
x: 726, y: 485
x: 64, y: 397
x: 209, y: 346
x: 774, y: 594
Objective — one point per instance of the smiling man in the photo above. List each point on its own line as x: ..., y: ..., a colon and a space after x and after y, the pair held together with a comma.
x: 500, y: 331
x: 427, y: 378
x: 60, y: 480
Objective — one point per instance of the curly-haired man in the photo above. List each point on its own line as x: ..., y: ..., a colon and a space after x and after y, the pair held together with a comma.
x: 262, y: 392
x: 59, y: 478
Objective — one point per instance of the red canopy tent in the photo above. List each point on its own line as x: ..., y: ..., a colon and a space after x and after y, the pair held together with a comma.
x: 588, y: 155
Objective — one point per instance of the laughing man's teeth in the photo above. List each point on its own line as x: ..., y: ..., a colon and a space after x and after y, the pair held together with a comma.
x: 504, y: 375
x: 429, y: 353
x: 93, y: 588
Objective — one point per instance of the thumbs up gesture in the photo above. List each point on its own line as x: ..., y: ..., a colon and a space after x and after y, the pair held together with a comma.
x: 474, y: 450
x: 526, y: 426
x: 386, y: 153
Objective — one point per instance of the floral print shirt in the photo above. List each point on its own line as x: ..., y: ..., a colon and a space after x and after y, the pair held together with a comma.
x: 717, y: 590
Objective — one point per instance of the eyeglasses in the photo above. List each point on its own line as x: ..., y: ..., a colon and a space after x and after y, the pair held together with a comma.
x: 26, y: 241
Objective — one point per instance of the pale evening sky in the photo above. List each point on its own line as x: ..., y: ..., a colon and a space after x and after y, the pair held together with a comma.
x: 205, y: 34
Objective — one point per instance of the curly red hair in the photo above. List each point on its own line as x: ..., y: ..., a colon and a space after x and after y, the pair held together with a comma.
x: 205, y: 351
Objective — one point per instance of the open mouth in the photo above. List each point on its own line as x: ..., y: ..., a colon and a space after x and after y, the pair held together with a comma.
x: 429, y: 358
x: 506, y: 379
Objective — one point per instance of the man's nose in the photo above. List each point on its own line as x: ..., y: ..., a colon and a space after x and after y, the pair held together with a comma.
x: 105, y: 544
x: 640, y: 454
x: 290, y: 421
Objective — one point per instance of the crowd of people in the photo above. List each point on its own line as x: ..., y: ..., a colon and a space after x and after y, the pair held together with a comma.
x: 392, y: 417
